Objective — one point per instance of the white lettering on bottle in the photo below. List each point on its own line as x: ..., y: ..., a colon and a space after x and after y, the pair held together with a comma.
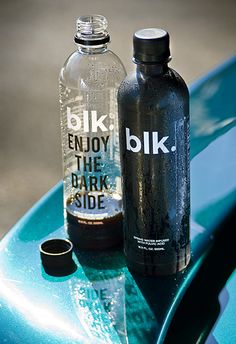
x: 146, y: 142
x: 133, y: 138
x: 86, y: 121
x: 74, y: 122
x: 134, y: 144
x: 159, y: 144
x: 98, y: 122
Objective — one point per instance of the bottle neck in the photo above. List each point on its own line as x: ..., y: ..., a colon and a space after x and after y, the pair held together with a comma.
x: 92, y: 49
x: 152, y: 69
x: 92, y: 36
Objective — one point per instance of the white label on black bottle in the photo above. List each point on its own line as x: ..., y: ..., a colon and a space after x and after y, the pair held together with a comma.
x: 150, y: 142
x: 162, y: 171
x: 151, y: 244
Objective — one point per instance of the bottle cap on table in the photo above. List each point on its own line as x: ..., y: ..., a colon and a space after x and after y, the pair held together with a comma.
x: 56, y: 253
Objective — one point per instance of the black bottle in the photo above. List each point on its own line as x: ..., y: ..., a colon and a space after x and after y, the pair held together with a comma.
x: 153, y: 105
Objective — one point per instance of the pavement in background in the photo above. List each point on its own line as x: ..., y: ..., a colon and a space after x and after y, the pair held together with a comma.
x: 36, y: 38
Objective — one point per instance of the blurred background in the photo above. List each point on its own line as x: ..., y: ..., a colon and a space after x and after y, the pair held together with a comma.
x: 37, y: 36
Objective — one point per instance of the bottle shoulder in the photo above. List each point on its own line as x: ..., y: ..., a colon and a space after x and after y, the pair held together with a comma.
x: 82, y: 68
x: 137, y: 86
x: 179, y: 82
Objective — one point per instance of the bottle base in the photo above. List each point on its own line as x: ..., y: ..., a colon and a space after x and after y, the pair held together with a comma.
x: 170, y: 268
x: 95, y: 235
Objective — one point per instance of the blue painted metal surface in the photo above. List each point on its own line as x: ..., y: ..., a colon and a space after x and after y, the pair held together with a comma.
x: 224, y: 331
x: 100, y: 301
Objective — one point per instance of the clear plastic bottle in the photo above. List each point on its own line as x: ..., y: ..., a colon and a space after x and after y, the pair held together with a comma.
x: 89, y: 82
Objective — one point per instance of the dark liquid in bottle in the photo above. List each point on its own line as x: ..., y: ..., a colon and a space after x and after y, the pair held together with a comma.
x: 95, y: 233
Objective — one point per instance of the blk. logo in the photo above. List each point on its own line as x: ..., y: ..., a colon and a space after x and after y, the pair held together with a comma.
x: 134, y: 144
x: 84, y: 123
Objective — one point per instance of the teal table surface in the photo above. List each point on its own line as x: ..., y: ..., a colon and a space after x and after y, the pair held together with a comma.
x: 99, y: 300
x: 223, y: 331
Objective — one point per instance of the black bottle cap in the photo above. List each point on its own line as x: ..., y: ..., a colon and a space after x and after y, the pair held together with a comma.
x: 56, y: 253
x: 151, y: 46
